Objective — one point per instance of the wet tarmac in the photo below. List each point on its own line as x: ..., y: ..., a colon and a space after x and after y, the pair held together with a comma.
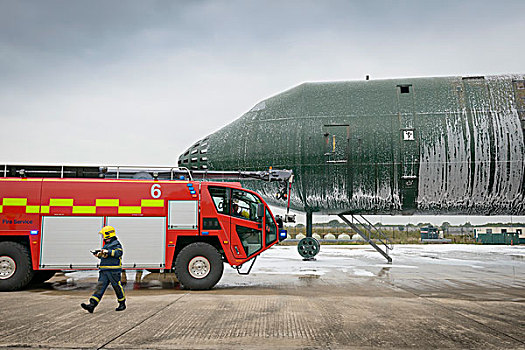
x: 432, y: 296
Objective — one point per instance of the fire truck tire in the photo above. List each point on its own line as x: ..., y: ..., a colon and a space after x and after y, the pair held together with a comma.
x: 15, y: 266
x: 199, y: 266
x: 42, y: 276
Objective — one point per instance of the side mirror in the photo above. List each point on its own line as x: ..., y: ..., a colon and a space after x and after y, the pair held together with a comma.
x: 260, y: 210
x: 279, y: 221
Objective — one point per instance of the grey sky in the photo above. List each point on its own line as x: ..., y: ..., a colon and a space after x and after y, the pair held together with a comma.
x: 136, y: 82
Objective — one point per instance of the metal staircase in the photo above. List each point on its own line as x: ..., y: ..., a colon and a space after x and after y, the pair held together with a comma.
x: 371, y: 234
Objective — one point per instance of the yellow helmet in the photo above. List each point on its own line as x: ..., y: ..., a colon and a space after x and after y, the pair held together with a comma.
x: 108, y: 232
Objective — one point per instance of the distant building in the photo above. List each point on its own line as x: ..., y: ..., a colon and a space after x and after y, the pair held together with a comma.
x: 500, y: 234
x: 500, y: 229
x: 431, y: 234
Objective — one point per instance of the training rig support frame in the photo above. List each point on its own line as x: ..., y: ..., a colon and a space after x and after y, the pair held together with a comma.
x: 371, y: 234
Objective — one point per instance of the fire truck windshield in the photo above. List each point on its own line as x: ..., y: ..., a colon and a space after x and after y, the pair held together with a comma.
x: 271, y: 228
x: 244, y: 205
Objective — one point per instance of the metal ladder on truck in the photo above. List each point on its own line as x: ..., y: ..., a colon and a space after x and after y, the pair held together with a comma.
x: 282, y: 176
x: 371, y: 234
x: 140, y: 172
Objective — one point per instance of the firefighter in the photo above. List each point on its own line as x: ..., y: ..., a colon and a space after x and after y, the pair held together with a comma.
x: 238, y: 211
x: 110, y: 270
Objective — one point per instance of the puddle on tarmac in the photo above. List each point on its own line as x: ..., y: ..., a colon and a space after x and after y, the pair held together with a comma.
x: 309, y: 277
x: 430, y: 256
x: 136, y: 280
x: 385, y: 271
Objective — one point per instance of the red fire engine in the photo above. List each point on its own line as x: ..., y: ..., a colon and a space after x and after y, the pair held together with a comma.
x: 50, y: 224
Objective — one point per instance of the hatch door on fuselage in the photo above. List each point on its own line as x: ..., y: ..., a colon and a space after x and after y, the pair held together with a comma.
x: 408, y: 162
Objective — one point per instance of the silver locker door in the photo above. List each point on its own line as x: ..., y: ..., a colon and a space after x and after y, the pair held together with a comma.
x: 183, y: 215
x: 66, y: 242
x: 143, y: 240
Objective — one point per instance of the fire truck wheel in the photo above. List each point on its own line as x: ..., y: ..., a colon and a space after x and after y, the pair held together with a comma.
x: 42, y: 276
x: 15, y: 266
x: 199, y: 266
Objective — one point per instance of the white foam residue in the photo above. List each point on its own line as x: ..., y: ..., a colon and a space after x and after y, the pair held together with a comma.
x: 359, y: 272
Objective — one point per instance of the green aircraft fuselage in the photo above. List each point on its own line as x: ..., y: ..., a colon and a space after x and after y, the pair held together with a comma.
x: 449, y: 145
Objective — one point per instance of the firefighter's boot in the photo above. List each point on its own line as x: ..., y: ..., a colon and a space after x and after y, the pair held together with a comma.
x: 121, y: 306
x: 89, y: 307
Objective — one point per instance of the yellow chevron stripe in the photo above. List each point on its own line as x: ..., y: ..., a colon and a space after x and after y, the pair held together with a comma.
x: 129, y: 210
x: 60, y: 202
x: 15, y: 201
x: 107, y: 202
x: 44, y: 209
x: 32, y: 209
x: 84, y: 209
x: 1, y: 208
x: 152, y: 203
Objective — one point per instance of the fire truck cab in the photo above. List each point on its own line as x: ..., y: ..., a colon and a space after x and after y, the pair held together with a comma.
x: 190, y: 227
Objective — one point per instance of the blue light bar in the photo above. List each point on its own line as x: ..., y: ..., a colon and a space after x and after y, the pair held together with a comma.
x: 189, y: 185
x: 193, y: 192
x: 34, y: 232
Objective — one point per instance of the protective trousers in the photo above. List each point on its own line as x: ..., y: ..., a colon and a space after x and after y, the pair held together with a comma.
x: 105, y: 277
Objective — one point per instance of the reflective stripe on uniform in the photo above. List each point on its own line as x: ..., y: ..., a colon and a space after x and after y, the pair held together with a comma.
x: 122, y: 289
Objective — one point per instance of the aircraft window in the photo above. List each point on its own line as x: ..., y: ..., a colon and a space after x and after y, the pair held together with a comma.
x: 271, y: 229
x: 219, y: 195
x: 244, y: 205
x: 404, y: 89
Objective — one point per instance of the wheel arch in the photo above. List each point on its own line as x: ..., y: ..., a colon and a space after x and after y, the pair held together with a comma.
x: 16, y: 265
x: 24, y: 240
x: 184, y: 241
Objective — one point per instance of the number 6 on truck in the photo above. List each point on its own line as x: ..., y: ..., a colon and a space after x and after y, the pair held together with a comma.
x: 155, y: 191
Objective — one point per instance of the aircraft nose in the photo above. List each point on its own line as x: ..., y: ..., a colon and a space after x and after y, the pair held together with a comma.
x: 195, y: 157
